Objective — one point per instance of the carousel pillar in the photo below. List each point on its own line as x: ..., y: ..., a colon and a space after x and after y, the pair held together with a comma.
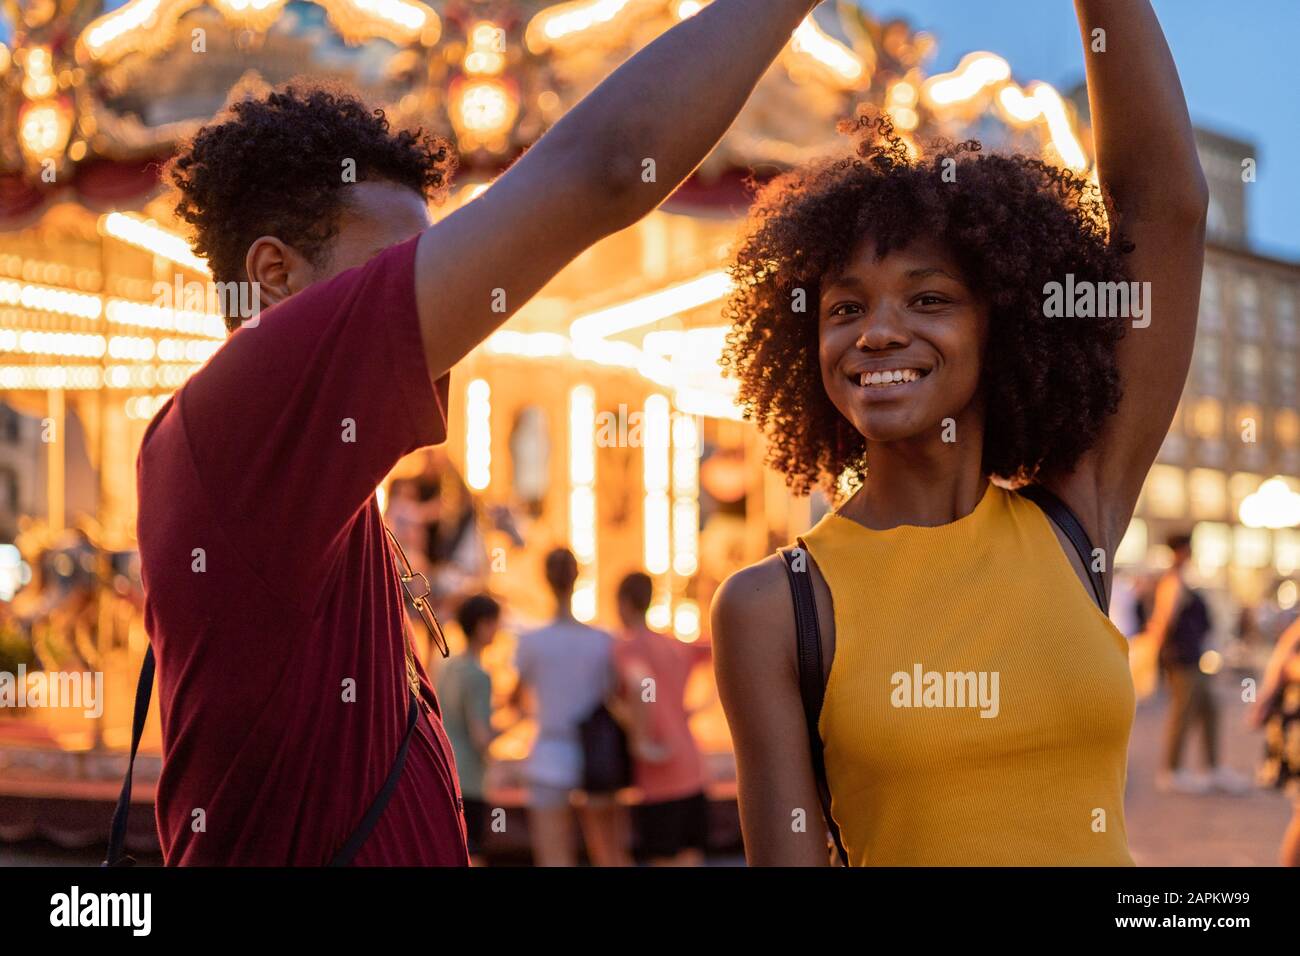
x: 56, y: 459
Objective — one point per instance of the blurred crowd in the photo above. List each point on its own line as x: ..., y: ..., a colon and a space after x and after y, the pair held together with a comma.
x: 1175, y: 647
x: 610, y: 715
x: 607, y: 762
x: 611, y: 765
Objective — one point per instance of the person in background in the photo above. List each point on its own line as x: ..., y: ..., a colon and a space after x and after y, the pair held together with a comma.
x: 404, y: 514
x: 465, y: 690
x: 671, y: 820
x: 567, y: 668
x: 1179, y: 625
x: 1278, y: 712
x: 1124, y: 600
x: 454, y: 544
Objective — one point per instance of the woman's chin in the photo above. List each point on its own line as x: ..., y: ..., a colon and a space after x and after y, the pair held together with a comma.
x: 885, y: 427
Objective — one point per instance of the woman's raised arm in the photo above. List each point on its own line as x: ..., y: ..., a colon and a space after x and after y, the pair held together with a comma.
x: 1157, y: 197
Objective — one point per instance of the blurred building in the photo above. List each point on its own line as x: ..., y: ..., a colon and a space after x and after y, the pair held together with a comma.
x: 1238, y: 424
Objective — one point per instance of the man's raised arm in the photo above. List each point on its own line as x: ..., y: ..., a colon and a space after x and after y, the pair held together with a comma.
x: 613, y: 158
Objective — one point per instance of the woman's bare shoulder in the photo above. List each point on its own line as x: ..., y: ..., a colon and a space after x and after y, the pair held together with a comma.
x: 753, y: 612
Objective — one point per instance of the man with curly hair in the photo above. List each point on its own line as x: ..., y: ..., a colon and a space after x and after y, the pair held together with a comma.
x: 297, y: 726
x: 892, y: 335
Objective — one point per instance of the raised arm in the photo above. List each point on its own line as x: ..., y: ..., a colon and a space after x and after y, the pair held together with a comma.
x: 1157, y: 197
x: 612, y: 159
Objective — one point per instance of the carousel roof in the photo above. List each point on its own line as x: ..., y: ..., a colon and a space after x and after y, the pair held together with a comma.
x: 96, y: 98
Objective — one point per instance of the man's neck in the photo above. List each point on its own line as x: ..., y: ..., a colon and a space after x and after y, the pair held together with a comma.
x: 637, y: 629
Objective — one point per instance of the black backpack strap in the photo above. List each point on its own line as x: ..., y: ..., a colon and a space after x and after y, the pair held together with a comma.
x: 1064, y: 518
x: 117, y: 832
x: 144, y: 692
x: 812, y: 686
x: 359, y: 835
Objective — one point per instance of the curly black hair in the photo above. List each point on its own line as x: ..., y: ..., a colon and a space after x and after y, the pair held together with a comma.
x: 273, y: 165
x: 1013, y: 223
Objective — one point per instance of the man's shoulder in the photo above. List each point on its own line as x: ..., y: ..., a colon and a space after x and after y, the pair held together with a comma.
x: 571, y: 633
x: 165, y: 431
x: 476, y: 674
x: 599, y: 638
x: 168, y: 485
x: 460, y: 669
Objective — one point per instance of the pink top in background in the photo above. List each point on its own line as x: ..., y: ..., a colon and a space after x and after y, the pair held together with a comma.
x: 648, y: 654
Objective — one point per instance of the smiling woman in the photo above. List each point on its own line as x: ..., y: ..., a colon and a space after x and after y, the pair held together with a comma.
x: 949, y: 265
x: 933, y: 368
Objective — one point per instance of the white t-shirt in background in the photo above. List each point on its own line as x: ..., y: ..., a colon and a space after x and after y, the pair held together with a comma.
x: 569, y: 668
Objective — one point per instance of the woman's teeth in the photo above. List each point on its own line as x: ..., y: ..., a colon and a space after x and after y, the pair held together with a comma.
x: 896, y: 376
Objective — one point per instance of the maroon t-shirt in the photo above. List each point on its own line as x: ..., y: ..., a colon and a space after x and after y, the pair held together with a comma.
x: 271, y: 595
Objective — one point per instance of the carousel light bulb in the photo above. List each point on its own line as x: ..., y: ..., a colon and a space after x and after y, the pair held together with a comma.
x: 406, y: 15
x: 39, y: 81
x: 686, y: 455
x: 487, y: 47
x: 485, y: 108
x: 478, y: 434
x: 812, y: 41
x: 103, y: 34
x: 40, y: 298
x: 975, y: 72
x: 686, y: 521
x: 588, y: 330
x: 686, y: 622
x: 582, y: 497
x: 148, y: 235
x: 1059, y: 129
x: 655, y: 443
x: 660, y: 615
x: 686, y: 495
x: 44, y: 128
x: 565, y: 19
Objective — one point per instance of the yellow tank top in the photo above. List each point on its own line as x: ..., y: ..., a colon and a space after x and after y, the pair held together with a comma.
x: 979, y: 703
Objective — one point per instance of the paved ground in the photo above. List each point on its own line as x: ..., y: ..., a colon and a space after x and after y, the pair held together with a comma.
x: 1214, y: 830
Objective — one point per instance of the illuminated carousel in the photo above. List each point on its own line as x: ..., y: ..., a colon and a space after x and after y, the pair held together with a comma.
x: 596, y: 418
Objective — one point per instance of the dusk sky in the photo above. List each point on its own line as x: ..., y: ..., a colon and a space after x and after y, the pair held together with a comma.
x: 1238, y: 60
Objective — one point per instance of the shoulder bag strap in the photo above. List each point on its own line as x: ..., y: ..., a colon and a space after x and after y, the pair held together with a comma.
x: 812, y: 686
x: 117, y: 857
x: 1064, y: 518
x: 359, y: 835
x: 117, y: 832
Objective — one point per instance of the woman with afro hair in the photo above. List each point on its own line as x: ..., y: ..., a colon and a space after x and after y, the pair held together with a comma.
x: 899, y: 334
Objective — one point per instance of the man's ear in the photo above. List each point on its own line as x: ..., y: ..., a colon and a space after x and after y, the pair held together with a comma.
x: 278, y: 269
